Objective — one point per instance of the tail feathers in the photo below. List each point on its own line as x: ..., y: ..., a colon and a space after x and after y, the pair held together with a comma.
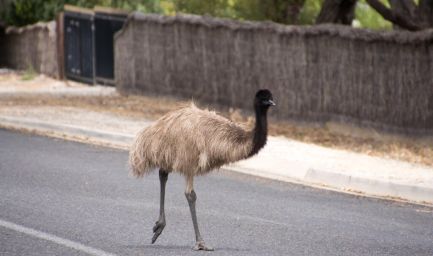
x: 139, y: 167
x: 138, y: 159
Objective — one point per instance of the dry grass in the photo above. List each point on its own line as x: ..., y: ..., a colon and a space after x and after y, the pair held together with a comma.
x: 416, y: 150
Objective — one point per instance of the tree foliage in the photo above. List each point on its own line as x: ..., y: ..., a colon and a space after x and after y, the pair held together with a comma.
x: 281, y: 11
x: 219, y: 8
x: 377, y: 14
x: 23, y: 12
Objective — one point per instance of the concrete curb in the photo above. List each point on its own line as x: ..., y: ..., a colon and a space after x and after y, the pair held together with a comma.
x: 313, y: 177
x: 371, y: 187
x: 71, y: 131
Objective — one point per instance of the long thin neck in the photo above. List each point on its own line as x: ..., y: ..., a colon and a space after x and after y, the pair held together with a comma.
x: 260, y: 130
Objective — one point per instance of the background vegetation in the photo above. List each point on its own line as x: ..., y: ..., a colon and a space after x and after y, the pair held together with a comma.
x: 23, y: 12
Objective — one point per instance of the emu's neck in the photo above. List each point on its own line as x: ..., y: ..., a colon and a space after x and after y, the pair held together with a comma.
x: 260, y: 130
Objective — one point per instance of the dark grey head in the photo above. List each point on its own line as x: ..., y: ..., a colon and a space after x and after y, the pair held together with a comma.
x: 264, y: 99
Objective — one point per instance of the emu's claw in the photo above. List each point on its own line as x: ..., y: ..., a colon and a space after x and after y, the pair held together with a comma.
x: 157, y: 230
x: 200, y: 246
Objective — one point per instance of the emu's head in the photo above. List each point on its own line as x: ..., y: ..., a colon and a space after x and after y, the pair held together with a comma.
x: 263, y: 99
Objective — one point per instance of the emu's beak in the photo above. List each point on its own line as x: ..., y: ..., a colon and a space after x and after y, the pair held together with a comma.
x: 271, y: 103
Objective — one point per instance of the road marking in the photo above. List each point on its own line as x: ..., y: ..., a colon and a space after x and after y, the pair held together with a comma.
x: 54, y: 239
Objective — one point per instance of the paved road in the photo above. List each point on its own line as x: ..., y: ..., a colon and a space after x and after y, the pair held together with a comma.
x: 64, y: 198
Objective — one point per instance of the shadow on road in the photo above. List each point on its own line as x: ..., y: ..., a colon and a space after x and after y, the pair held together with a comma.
x: 181, y: 247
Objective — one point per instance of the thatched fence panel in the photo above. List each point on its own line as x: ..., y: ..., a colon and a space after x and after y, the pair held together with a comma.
x: 33, y: 46
x: 319, y: 73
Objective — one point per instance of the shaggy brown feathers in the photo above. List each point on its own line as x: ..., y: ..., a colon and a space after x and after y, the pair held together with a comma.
x: 190, y: 141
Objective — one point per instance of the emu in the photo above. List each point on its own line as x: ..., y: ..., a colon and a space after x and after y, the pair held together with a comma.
x: 193, y: 142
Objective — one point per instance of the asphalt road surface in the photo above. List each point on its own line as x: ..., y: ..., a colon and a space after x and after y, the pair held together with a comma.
x: 65, y: 198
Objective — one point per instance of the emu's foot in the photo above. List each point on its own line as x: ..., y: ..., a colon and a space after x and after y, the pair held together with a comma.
x: 157, y: 229
x: 200, y: 246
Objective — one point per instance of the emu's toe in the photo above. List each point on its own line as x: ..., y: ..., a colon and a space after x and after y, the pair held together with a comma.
x: 157, y: 230
x: 201, y: 246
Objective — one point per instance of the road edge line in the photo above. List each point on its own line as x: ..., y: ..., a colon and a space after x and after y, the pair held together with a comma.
x: 54, y: 239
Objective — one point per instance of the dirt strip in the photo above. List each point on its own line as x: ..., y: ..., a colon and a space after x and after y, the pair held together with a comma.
x: 366, y: 141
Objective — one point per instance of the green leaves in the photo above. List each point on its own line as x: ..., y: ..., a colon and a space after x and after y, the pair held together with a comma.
x: 367, y: 17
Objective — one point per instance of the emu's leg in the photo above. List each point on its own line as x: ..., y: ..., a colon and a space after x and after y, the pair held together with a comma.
x: 191, y: 197
x: 160, y: 224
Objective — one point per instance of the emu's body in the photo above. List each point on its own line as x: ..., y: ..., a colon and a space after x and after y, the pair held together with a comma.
x: 193, y: 142
x: 190, y: 141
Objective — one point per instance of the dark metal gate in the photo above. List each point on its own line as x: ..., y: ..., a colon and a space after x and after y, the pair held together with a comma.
x: 88, y: 44
x: 79, y: 38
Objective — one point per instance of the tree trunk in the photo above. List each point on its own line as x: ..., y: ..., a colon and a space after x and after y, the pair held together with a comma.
x: 404, y: 14
x: 425, y: 12
x: 337, y: 11
x: 394, y: 16
x: 404, y: 8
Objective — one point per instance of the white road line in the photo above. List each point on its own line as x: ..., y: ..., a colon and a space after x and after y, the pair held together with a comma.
x: 54, y: 239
